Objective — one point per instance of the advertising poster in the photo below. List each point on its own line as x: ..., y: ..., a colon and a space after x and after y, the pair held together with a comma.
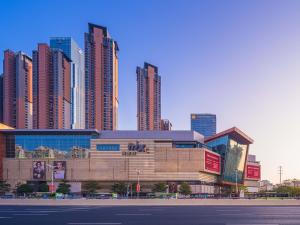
x: 39, y: 170
x: 212, y: 162
x: 253, y: 172
x: 59, y: 170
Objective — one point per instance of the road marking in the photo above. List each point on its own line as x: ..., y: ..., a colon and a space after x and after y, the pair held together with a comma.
x: 83, y: 223
x: 252, y: 224
x: 133, y: 214
x: 228, y: 210
x: 236, y: 214
x: 4, y: 217
x: 21, y: 214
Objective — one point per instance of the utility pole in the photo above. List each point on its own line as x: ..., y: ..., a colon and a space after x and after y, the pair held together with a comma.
x: 280, y: 174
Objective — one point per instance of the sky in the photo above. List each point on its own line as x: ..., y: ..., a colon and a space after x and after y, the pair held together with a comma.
x: 237, y: 59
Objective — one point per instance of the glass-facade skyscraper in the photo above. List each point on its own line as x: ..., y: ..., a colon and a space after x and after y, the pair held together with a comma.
x: 75, y: 54
x: 205, y: 124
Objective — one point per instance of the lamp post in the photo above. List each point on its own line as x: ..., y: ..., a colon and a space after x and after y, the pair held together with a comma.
x: 138, y: 183
x: 52, y: 177
x: 236, y: 186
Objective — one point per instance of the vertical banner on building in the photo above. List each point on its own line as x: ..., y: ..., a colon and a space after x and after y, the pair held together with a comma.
x: 39, y: 170
x: 253, y: 172
x: 138, y: 188
x: 59, y: 170
x: 212, y: 162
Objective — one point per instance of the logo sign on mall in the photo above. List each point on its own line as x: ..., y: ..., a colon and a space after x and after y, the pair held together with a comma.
x: 134, y: 148
x: 137, y: 147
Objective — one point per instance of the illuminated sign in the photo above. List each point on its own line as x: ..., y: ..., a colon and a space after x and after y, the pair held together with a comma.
x: 253, y: 172
x: 212, y: 162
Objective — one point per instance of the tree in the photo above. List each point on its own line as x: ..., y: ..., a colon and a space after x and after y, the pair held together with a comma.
x: 119, y: 188
x: 4, y: 187
x: 63, y: 188
x: 159, y: 187
x: 43, y: 187
x: 185, y: 189
x: 91, y: 187
x: 24, y: 189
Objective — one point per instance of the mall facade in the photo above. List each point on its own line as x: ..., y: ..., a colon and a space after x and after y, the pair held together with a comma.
x: 209, y: 165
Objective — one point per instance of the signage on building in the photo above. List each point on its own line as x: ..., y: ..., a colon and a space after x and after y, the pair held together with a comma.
x: 253, y: 172
x: 39, y: 170
x: 134, y: 148
x: 137, y: 147
x: 212, y: 162
x: 59, y: 170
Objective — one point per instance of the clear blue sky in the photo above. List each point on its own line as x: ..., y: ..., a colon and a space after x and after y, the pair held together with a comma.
x: 237, y: 59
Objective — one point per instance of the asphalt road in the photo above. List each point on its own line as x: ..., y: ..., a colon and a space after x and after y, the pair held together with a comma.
x: 150, y: 215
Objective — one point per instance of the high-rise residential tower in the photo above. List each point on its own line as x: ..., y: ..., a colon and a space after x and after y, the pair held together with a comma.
x: 101, y: 79
x: 51, y: 89
x: 17, y: 90
x: 75, y: 54
x: 148, y: 97
x: 204, y: 123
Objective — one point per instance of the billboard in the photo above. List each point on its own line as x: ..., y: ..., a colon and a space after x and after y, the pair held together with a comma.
x: 39, y: 170
x: 253, y: 172
x: 212, y: 162
x: 59, y: 170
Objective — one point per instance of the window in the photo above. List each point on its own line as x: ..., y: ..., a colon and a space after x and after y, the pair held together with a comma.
x: 108, y: 147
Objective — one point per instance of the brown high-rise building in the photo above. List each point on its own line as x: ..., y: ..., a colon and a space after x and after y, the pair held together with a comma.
x: 101, y: 79
x: 17, y: 94
x: 51, y: 89
x: 148, y: 97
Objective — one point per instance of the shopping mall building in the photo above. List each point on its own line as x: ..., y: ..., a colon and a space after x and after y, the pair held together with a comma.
x: 209, y: 165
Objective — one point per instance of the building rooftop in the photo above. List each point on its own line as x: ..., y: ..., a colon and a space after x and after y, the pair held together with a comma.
x: 233, y: 132
x: 177, y: 135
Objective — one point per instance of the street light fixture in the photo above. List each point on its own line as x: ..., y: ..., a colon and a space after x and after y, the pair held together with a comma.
x: 52, y: 177
x: 236, y: 186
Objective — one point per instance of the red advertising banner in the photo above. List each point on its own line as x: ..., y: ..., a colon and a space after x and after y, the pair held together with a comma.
x: 212, y: 162
x: 253, y: 172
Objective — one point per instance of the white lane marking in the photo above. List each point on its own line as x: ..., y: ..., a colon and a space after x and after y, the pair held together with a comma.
x: 20, y: 211
x: 4, y: 217
x: 83, y: 223
x: 31, y: 214
x: 151, y: 210
x: 236, y: 214
x: 133, y: 214
x: 252, y: 224
x: 228, y: 210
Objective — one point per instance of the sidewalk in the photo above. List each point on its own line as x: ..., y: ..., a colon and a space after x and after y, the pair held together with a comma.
x: 151, y: 202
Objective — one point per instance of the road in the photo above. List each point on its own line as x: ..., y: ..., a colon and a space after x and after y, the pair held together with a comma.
x: 149, y: 215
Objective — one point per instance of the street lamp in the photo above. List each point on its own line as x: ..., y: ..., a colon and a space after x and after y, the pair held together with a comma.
x: 138, y: 182
x: 52, y: 176
x: 236, y: 186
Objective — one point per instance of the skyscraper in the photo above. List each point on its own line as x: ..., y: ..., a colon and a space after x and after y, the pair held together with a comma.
x: 1, y: 98
x: 75, y: 54
x: 101, y: 79
x: 17, y: 94
x: 148, y: 97
x: 165, y: 124
x: 204, y: 124
x: 51, y: 89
